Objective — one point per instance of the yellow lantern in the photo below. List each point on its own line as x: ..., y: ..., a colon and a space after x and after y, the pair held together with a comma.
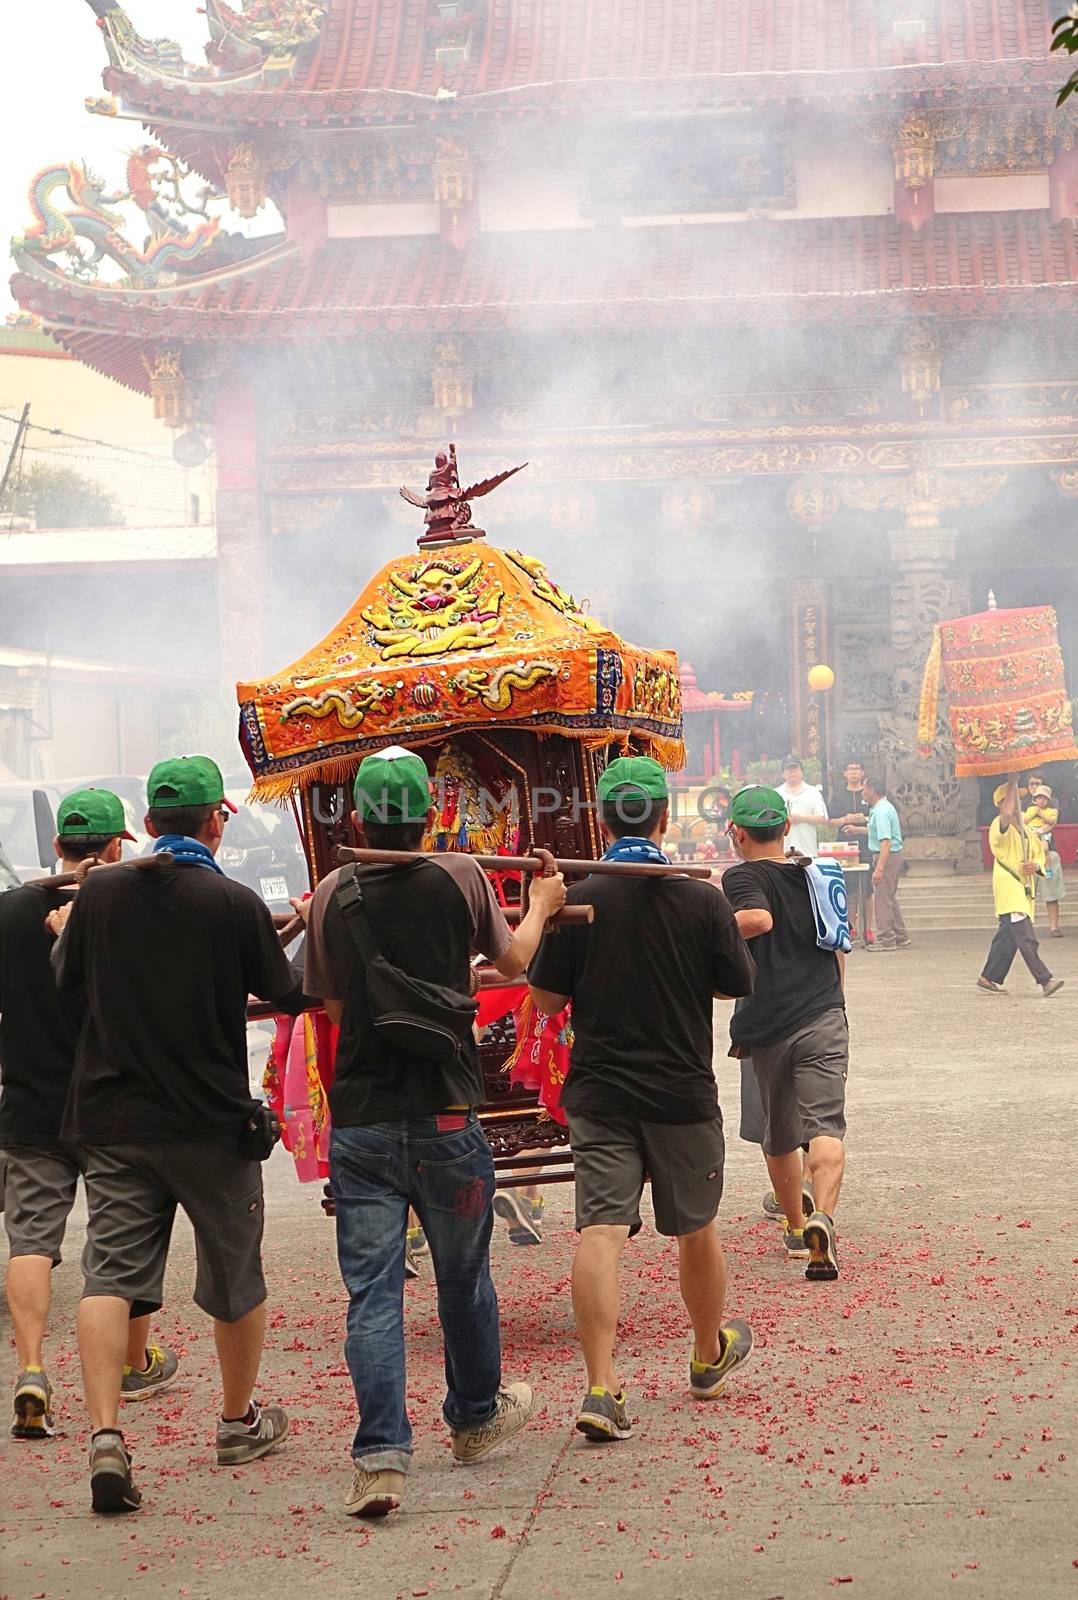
x: 820, y: 678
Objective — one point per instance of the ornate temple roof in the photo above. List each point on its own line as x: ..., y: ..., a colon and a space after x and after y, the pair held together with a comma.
x: 399, y: 59
x: 962, y: 264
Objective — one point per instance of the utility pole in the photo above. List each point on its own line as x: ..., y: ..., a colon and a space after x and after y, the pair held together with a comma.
x: 16, y: 446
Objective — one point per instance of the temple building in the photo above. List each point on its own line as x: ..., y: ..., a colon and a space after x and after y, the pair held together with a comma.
x: 775, y: 297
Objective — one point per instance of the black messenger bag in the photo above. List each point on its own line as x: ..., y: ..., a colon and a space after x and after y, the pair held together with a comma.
x: 425, y: 1019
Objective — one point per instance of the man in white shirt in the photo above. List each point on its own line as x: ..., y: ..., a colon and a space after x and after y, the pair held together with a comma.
x: 805, y: 806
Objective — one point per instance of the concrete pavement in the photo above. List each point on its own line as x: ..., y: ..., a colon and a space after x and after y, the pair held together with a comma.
x: 908, y: 1429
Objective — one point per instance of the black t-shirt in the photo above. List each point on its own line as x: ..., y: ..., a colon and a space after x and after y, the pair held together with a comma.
x: 848, y: 803
x: 39, y: 1028
x: 427, y: 919
x: 642, y: 978
x: 795, y: 979
x: 167, y: 958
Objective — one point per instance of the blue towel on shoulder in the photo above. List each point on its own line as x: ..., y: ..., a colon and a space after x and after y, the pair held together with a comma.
x: 830, y: 905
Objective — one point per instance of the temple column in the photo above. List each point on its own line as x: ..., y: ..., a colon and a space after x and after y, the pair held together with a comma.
x: 241, y: 546
x: 810, y: 647
x: 938, y: 811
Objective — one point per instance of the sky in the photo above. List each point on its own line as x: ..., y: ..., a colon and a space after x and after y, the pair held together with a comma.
x: 53, y: 57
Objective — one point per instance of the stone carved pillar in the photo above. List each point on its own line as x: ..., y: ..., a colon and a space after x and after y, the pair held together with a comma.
x: 241, y: 546
x: 938, y: 810
x: 810, y: 647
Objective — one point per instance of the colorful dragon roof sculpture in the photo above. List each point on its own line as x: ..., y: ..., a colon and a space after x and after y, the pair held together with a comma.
x: 456, y: 637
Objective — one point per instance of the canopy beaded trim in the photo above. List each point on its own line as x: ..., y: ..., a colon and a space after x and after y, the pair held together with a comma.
x: 458, y: 639
x: 1006, y: 692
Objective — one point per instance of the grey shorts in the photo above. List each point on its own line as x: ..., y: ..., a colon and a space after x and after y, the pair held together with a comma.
x: 132, y: 1192
x: 40, y: 1183
x: 802, y: 1082
x: 612, y: 1156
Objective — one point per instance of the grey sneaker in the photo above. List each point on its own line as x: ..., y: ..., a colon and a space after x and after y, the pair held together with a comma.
x: 411, y: 1265
x: 33, y: 1406
x: 1052, y: 987
x: 157, y: 1375
x: 112, y: 1487
x: 238, y: 1442
x: 708, y: 1379
x: 820, y: 1238
x: 990, y: 986
x: 793, y: 1240
x: 519, y: 1214
x: 374, y: 1494
x: 773, y: 1209
x: 603, y: 1416
x: 512, y: 1409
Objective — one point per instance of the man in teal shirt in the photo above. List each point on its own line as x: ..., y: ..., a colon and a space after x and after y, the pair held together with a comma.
x: 885, y: 847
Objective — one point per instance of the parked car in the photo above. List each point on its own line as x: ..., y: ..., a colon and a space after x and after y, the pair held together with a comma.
x: 9, y: 878
x: 269, y: 862
x: 260, y: 848
x: 18, y: 837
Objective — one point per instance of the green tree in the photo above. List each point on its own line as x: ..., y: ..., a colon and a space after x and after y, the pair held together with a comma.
x: 60, y: 497
x: 1065, y: 37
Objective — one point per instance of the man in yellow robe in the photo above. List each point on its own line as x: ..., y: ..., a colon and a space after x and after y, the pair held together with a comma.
x: 1018, y: 860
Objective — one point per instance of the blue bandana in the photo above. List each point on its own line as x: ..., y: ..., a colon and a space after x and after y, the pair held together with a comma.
x: 638, y: 850
x: 188, y: 852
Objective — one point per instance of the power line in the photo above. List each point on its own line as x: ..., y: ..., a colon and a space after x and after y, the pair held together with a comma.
x: 78, y: 438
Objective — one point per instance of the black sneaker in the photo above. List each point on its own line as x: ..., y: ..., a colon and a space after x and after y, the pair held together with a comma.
x: 820, y: 1238
x: 604, y: 1416
x: 255, y: 1435
x: 112, y: 1487
x: 707, y: 1379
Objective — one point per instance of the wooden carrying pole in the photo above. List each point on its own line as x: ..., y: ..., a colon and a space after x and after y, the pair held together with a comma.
x: 71, y: 880
x: 532, y: 864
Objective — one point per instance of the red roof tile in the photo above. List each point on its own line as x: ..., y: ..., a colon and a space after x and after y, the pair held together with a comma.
x: 969, y: 264
x: 375, y: 56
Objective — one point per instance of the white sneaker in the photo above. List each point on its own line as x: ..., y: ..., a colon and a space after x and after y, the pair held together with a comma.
x: 374, y: 1494
x: 514, y: 1406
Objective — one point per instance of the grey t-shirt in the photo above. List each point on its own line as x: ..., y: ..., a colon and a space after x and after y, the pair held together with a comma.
x: 428, y: 918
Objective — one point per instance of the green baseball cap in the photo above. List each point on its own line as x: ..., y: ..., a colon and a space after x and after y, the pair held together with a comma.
x: 633, y: 775
x: 757, y: 806
x: 393, y: 787
x: 88, y: 812
x: 186, y: 781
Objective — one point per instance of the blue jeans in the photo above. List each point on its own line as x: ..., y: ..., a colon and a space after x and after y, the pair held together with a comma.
x: 376, y: 1173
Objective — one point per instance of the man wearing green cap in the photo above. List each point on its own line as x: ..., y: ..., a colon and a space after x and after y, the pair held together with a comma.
x: 404, y: 1126
x: 39, y: 1033
x: 793, y: 1025
x: 160, y: 1100
x: 640, y: 1097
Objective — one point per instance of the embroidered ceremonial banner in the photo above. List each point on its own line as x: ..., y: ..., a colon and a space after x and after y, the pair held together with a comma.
x: 1006, y: 692
x: 458, y: 638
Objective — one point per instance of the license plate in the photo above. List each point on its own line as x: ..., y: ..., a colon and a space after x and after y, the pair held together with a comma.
x: 274, y: 888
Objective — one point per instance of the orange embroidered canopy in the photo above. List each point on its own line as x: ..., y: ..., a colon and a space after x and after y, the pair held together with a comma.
x: 458, y: 636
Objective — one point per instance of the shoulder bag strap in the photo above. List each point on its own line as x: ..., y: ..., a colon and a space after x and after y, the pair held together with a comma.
x: 349, y: 897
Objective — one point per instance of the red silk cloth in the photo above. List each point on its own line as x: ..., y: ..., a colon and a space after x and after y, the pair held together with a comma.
x: 1006, y: 691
